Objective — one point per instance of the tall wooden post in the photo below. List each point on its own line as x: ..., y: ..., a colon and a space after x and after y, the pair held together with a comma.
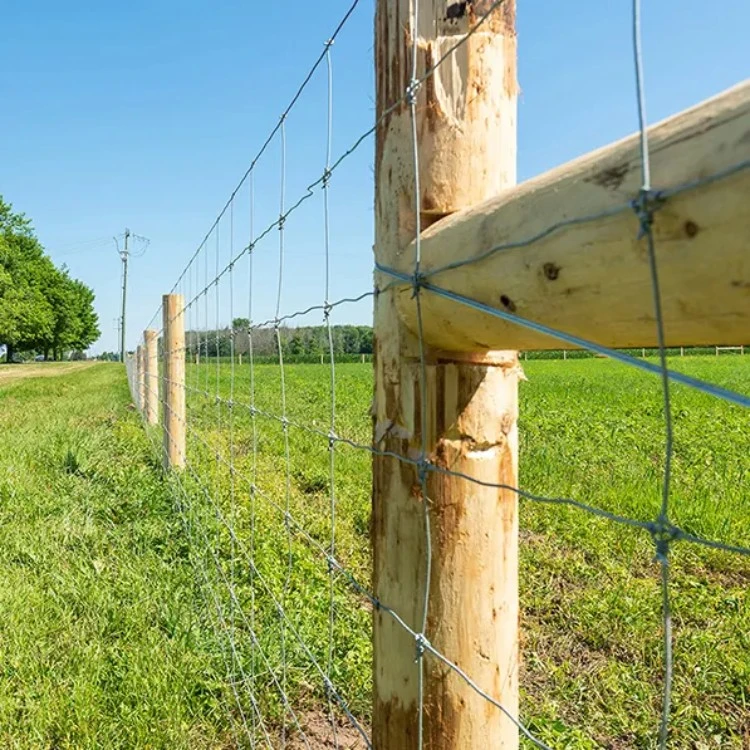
x: 151, y: 380
x: 174, y: 381
x: 466, y: 126
x: 140, y: 377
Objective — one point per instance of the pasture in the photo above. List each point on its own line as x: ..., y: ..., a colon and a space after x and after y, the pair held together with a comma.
x: 590, y: 595
x: 118, y: 631
x: 101, y: 641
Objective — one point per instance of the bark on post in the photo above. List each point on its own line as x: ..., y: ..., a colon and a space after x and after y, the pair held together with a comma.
x: 151, y: 380
x: 174, y: 381
x: 466, y: 125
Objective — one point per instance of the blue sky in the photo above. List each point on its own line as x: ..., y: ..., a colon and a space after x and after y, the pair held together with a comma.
x: 146, y: 115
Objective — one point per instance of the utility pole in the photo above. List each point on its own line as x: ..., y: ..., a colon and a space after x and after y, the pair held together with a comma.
x: 117, y: 327
x: 124, y: 257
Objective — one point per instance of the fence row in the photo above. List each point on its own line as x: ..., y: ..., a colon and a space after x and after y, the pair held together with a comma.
x: 622, y: 254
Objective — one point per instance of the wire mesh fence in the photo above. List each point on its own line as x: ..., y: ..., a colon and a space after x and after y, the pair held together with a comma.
x: 275, y: 491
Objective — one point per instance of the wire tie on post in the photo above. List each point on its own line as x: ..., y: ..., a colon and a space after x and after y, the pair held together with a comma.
x: 326, y: 178
x: 422, y: 645
x: 423, y: 467
x: 647, y: 202
x: 417, y: 282
x: 411, y: 91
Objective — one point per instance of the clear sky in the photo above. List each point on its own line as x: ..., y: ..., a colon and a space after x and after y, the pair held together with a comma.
x: 146, y: 114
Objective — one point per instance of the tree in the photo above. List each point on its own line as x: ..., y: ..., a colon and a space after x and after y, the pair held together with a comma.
x: 41, y: 307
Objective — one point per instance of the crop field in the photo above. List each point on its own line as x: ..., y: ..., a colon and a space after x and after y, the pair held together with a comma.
x: 118, y: 631
x: 593, y: 430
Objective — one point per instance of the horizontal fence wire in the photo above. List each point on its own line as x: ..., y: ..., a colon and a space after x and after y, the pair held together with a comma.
x: 251, y: 536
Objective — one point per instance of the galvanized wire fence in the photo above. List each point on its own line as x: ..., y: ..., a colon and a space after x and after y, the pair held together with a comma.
x: 271, y: 495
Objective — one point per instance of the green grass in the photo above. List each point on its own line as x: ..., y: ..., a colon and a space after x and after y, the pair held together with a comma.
x: 592, y: 430
x: 101, y: 641
x: 117, y: 622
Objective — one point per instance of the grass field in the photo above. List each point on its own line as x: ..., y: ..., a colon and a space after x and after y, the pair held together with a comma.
x: 591, y: 606
x: 101, y: 642
x: 117, y: 629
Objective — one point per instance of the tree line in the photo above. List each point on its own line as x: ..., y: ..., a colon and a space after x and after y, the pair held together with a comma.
x: 43, y: 310
x: 306, y: 341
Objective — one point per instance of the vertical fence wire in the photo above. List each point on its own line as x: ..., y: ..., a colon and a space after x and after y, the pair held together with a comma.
x: 284, y: 422
x: 232, y: 498
x: 645, y: 209
x: 254, y: 430
x: 412, y: 94
x: 332, y: 363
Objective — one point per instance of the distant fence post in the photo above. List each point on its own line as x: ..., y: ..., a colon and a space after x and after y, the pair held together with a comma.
x: 174, y: 381
x: 466, y: 125
x: 140, y: 378
x: 151, y: 376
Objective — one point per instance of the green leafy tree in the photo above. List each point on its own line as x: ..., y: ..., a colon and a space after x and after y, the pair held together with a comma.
x: 41, y: 307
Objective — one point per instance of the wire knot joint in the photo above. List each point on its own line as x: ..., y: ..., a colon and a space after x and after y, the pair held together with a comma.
x: 333, y: 564
x: 423, y: 468
x: 422, y: 645
x: 417, y: 282
x: 412, y: 90
x: 645, y: 205
x: 663, y: 533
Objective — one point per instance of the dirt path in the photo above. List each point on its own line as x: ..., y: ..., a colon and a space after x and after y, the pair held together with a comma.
x: 40, y: 370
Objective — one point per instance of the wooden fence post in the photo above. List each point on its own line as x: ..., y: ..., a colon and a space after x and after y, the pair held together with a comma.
x: 140, y: 377
x: 174, y: 381
x: 466, y: 125
x: 151, y: 380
